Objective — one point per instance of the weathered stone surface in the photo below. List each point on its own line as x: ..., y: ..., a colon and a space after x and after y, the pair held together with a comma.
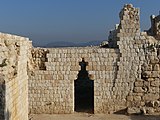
x: 134, y: 110
x: 48, y: 77
x: 129, y: 98
x: 154, y: 104
x: 155, y: 74
x: 137, y: 98
x: 147, y: 74
x: 150, y: 110
x: 138, y: 90
x: 155, y: 83
x: 150, y: 97
x: 156, y: 67
x: 139, y: 84
x: 13, y: 77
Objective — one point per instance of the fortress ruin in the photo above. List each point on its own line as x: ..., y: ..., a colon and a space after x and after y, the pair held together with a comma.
x: 123, y: 75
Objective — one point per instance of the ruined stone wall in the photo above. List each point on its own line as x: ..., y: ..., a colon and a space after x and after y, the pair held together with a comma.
x: 155, y: 27
x: 125, y: 73
x: 14, y: 79
x: 145, y: 95
x: 52, y: 90
x: 128, y: 33
x: 135, y: 54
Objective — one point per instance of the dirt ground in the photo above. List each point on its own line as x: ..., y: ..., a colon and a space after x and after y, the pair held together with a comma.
x: 86, y: 116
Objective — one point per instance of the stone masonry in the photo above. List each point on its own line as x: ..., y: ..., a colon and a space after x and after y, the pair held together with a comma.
x: 117, y: 69
x: 52, y: 90
x: 125, y: 72
x: 13, y: 77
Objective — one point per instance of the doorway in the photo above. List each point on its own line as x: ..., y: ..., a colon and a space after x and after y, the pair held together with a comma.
x: 84, y: 90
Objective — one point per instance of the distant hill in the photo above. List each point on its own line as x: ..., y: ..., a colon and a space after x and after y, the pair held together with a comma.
x: 60, y: 44
x: 72, y: 44
x: 91, y: 43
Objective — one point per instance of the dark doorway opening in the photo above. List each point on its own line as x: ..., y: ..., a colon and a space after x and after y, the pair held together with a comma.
x: 84, y: 90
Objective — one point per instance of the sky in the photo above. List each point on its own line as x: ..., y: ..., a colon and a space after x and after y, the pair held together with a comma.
x: 47, y: 21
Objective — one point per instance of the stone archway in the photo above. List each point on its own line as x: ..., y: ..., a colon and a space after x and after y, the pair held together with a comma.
x: 84, y: 90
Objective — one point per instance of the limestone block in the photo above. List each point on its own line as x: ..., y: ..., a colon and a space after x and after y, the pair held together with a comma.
x: 146, y: 83
x: 150, y: 79
x: 154, y: 61
x: 48, y: 77
x: 102, y: 68
x: 129, y: 98
x: 138, y: 90
x: 150, y: 97
x: 134, y: 110
x: 156, y: 67
x: 154, y: 90
x: 137, y: 98
x: 108, y: 68
x: 60, y: 76
x: 150, y: 110
x: 155, y: 74
x: 139, y: 84
x: 75, y: 68
x: 89, y: 68
x: 139, y: 80
x: 155, y: 83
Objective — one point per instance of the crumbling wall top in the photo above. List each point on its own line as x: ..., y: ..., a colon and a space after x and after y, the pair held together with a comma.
x: 12, y: 37
x: 155, y: 26
x: 129, y: 25
x: 129, y: 18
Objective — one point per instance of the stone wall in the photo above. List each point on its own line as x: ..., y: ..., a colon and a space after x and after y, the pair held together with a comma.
x: 52, y: 90
x: 13, y: 77
x: 145, y: 95
x: 137, y: 53
x: 125, y: 72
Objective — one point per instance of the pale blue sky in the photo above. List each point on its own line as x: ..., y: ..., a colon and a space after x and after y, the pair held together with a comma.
x: 44, y: 21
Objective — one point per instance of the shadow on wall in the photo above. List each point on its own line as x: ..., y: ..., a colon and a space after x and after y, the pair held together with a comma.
x: 8, y: 115
x: 121, y: 112
x: 84, y: 90
x: 2, y: 97
x: 4, y: 115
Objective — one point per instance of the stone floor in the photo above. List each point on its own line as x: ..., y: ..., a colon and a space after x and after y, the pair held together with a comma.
x: 85, y: 116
